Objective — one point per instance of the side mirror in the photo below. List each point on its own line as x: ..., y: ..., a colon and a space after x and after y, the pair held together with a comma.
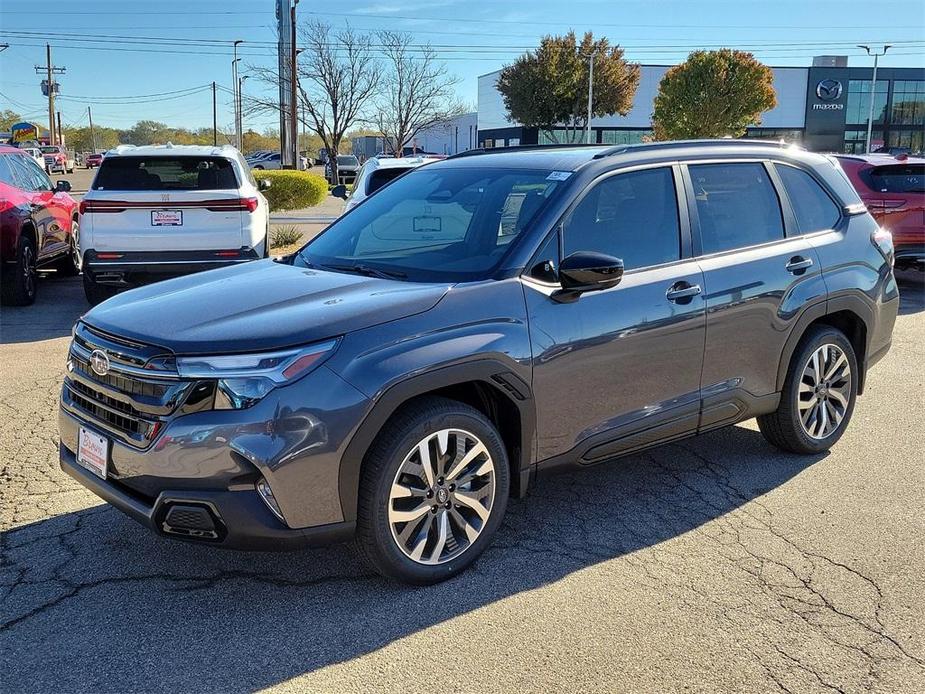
x: 587, y: 271
x: 62, y: 186
x: 264, y: 183
x: 339, y: 191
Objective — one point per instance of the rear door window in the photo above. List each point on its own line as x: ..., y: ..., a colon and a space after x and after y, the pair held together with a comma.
x: 812, y: 206
x: 165, y: 173
x: 736, y: 204
x: 896, y: 178
x: 380, y: 177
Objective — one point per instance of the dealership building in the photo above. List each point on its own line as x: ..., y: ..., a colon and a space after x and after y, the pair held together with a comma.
x: 823, y: 107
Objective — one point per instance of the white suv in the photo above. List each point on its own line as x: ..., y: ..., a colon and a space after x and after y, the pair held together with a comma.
x: 374, y: 174
x: 162, y: 211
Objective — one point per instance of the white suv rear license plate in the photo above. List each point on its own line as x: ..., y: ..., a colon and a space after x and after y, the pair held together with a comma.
x: 167, y: 218
x: 92, y: 452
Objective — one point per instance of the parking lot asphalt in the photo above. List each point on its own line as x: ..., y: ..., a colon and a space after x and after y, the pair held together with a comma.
x: 713, y: 564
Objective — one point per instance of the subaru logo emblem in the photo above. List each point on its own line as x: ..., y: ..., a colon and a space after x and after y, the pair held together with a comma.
x: 828, y: 90
x: 99, y: 362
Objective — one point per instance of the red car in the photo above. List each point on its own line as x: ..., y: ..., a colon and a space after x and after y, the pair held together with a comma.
x: 38, y: 226
x: 92, y: 160
x: 893, y: 188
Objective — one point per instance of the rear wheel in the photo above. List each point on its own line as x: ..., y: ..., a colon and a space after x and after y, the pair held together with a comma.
x: 19, y: 283
x: 433, y: 491
x: 96, y: 293
x: 69, y: 265
x: 818, y: 396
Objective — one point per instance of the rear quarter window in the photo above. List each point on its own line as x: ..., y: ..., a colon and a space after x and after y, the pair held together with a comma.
x: 812, y: 206
x: 165, y: 173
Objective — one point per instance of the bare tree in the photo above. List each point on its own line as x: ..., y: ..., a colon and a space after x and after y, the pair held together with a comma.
x: 416, y: 91
x: 337, y: 76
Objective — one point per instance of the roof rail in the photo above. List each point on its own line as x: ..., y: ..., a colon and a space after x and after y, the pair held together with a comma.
x: 519, y: 148
x: 668, y: 144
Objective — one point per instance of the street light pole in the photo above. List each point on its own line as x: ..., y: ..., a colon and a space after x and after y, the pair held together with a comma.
x: 236, y: 98
x: 241, y: 115
x: 590, y: 94
x: 873, y: 86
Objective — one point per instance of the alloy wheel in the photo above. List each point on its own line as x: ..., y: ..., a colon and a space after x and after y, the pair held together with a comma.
x: 28, y: 270
x: 825, y: 391
x: 442, y: 496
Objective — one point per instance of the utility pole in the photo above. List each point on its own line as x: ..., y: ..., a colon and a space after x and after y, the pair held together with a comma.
x: 590, y: 94
x: 294, y: 83
x: 50, y: 71
x: 60, y: 132
x: 237, y: 96
x: 214, y: 118
x: 92, y: 135
x: 873, y: 86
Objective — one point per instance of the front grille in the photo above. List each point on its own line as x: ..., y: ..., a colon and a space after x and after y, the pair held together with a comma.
x: 121, y: 383
x: 134, y: 398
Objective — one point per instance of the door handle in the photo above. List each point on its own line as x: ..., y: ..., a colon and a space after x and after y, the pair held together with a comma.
x: 798, y: 264
x: 680, y: 291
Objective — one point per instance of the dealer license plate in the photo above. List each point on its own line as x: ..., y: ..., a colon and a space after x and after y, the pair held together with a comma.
x: 93, y: 451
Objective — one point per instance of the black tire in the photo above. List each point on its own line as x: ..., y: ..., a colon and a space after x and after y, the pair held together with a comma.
x: 96, y: 293
x: 69, y: 264
x: 783, y: 427
x: 19, y: 283
x: 398, y: 439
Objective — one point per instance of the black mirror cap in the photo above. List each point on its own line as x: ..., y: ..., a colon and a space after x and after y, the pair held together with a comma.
x: 63, y: 186
x: 339, y: 191
x: 587, y: 271
x: 264, y: 183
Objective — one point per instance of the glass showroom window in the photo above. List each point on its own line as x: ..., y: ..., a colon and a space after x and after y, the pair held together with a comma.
x: 624, y: 137
x: 908, y: 102
x: 859, y: 101
x: 856, y: 140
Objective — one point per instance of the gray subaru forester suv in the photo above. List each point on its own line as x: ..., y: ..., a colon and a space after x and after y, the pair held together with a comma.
x: 477, y: 322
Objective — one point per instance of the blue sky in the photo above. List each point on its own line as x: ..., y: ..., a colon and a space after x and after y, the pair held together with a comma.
x: 474, y: 36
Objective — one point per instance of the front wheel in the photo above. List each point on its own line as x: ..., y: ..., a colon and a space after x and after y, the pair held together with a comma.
x: 433, y: 491
x: 818, y: 396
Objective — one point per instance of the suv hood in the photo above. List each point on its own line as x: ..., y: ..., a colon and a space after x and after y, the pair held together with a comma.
x: 260, y: 306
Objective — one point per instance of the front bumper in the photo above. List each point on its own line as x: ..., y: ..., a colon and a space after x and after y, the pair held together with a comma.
x: 140, y: 267
x: 241, y: 519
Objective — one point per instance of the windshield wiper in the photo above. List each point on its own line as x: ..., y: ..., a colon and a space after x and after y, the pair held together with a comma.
x: 361, y: 269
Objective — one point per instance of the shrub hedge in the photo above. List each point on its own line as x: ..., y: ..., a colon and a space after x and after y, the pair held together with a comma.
x: 293, y: 190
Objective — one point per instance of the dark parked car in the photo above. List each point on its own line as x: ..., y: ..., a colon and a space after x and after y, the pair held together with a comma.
x: 893, y: 188
x: 477, y: 322
x: 93, y: 160
x: 38, y: 226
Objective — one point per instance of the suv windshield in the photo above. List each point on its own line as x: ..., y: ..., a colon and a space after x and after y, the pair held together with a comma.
x: 165, y: 173
x: 348, y: 161
x: 440, y: 224
x: 51, y: 150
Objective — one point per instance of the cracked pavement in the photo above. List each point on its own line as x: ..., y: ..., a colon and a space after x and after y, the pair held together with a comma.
x: 713, y: 564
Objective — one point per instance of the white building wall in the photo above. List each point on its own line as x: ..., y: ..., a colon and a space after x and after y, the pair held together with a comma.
x: 789, y: 82
x: 452, y: 136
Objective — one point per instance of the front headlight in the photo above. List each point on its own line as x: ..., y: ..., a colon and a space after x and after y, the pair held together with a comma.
x: 244, y: 379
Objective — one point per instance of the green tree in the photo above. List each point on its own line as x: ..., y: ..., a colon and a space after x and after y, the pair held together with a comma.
x: 549, y: 86
x: 79, y: 139
x: 8, y: 118
x: 713, y: 94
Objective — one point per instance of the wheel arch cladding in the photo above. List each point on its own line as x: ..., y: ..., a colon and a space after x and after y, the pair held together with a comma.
x: 846, y: 314
x: 486, y: 385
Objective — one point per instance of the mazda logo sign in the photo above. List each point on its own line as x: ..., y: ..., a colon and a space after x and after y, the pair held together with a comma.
x: 829, y: 90
x: 99, y: 362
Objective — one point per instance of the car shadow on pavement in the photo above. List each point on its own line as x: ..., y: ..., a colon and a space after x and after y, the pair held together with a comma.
x: 911, y: 291
x: 58, y: 304
x: 91, y: 601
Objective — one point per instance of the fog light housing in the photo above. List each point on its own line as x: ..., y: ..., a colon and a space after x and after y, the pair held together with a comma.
x: 263, y: 489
